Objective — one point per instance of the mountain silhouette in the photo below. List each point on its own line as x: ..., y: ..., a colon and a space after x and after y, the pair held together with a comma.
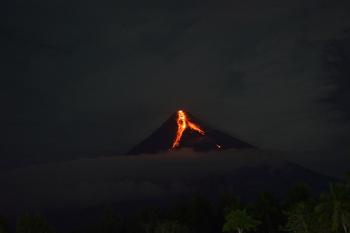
x: 196, y: 135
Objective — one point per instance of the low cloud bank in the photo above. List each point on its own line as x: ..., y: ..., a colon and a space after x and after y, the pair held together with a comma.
x: 105, y: 180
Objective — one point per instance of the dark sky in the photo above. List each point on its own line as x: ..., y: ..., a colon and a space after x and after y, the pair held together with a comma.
x: 87, y: 78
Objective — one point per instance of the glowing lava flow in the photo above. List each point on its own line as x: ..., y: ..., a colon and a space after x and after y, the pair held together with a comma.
x: 182, y: 124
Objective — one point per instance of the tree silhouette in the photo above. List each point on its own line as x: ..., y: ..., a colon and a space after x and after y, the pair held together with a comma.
x: 335, y: 207
x: 146, y: 220
x: 33, y: 224
x: 199, y: 214
x: 3, y: 226
x: 347, y: 180
x: 229, y: 201
x: 300, y: 219
x: 170, y: 227
x: 110, y: 223
x: 268, y: 211
x: 298, y: 193
x: 239, y: 220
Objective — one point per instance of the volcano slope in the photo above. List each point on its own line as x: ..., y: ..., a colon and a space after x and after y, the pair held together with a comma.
x: 183, y: 130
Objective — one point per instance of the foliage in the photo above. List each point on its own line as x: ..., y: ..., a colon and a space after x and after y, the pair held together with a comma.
x: 298, y: 193
x: 110, y: 223
x: 334, y: 207
x: 229, y: 201
x: 33, y: 224
x: 298, y: 212
x: 267, y: 210
x: 300, y: 219
x: 145, y: 221
x: 171, y: 227
x: 3, y: 226
x: 239, y: 220
x: 347, y: 180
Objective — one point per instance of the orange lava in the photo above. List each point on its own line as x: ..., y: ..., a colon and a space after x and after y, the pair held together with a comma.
x: 182, y: 124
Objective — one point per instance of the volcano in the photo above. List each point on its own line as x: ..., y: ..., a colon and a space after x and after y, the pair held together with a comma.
x: 183, y: 130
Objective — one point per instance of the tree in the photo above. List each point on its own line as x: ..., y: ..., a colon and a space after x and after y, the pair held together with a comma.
x: 228, y: 202
x: 110, y: 223
x: 335, y: 206
x: 199, y: 214
x: 239, y: 220
x: 300, y: 219
x: 33, y: 224
x: 3, y: 226
x: 347, y: 180
x: 171, y: 227
x: 145, y: 221
x: 299, y: 193
x: 268, y: 211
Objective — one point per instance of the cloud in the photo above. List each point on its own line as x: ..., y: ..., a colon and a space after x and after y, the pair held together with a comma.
x: 108, y: 180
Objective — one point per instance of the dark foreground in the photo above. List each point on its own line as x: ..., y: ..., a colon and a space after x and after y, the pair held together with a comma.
x: 298, y: 211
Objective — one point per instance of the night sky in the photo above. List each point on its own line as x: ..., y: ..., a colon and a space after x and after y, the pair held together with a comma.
x: 82, y: 79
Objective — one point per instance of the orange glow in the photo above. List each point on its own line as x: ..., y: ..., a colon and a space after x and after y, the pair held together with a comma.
x: 182, y: 124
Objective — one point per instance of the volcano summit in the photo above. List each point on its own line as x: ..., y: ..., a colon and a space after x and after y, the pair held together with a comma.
x: 182, y: 130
